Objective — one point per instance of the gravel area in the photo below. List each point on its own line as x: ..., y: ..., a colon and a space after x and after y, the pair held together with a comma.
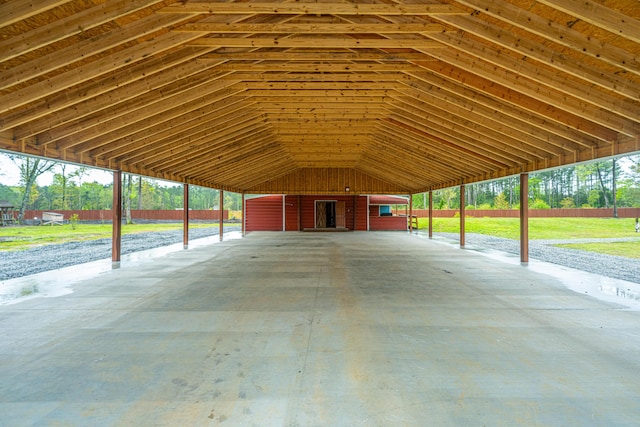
x: 50, y: 257
x: 544, y: 250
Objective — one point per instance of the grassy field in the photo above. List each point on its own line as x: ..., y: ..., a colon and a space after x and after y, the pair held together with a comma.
x: 18, y: 238
x: 553, y: 229
x: 625, y: 249
x: 539, y: 228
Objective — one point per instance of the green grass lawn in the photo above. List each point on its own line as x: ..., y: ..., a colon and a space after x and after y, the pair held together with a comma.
x: 624, y: 249
x: 24, y: 237
x: 539, y: 228
x: 550, y: 229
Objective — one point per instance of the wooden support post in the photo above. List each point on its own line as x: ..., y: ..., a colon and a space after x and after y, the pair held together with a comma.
x: 430, y: 214
x: 524, y: 218
x: 185, y: 216
x: 410, y: 213
x: 116, y: 209
x: 244, y: 214
x: 221, y: 214
x: 462, y: 216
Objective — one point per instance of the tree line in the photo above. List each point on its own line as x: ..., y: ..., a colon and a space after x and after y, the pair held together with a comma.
x: 600, y: 184
x: 603, y: 184
x: 70, y: 189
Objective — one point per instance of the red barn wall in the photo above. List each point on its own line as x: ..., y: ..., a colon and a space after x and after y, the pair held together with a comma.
x: 292, y: 204
x: 361, y: 213
x: 385, y: 223
x: 264, y: 213
x: 307, y: 209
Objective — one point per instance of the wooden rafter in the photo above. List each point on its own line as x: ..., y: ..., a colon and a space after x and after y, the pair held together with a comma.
x: 263, y: 96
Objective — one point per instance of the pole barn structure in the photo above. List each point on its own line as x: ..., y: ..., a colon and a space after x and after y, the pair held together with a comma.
x: 341, y: 99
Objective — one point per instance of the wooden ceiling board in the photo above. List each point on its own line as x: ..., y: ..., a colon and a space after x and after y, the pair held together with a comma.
x: 297, y: 97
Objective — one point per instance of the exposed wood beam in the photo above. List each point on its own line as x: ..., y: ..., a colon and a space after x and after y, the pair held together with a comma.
x: 559, y: 33
x: 130, y: 116
x: 392, y: 146
x: 425, y: 164
x: 310, y: 100
x: 17, y: 10
x: 165, y: 144
x: 91, y: 70
x: 258, y: 83
x: 334, y: 79
x: 310, y: 28
x: 257, y: 142
x: 600, y: 16
x: 502, y: 131
x: 310, y: 117
x: 456, y: 147
x: 162, y: 135
x: 447, y: 125
x: 140, y: 147
x: 296, y: 8
x: 94, y: 95
x: 317, y: 42
x: 75, y: 24
x: 334, y: 67
x: 282, y: 94
x: 67, y: 56
x: 318, y: 55
x: 508, y: 87
x: 450, y: 91
x: 560, y: 63
x: 127, y: 126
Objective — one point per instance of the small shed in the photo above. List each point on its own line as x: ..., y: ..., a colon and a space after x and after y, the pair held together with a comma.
x: 324, y: 213
x: 7, y: 213
x: 382, y: 216
x: 52, y: 218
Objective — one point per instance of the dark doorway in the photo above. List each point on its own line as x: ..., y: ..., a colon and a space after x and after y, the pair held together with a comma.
x: 325, y: 214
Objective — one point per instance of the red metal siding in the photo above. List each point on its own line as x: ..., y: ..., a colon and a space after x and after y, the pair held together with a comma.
x: 361, y: 213
x: 264, y: 214
x: 307, y: 211
x: 291, y: 212
x: 385, y: 223
x: 388, y: 223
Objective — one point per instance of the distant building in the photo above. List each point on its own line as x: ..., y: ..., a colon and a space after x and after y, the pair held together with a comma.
x: 325, y: 213
x: 7, y: 213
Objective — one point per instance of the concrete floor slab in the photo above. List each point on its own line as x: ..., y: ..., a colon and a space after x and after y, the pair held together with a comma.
x: 317, y: 329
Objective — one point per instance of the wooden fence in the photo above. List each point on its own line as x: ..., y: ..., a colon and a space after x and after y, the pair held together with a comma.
x: 533, y: 213
x: 147, y: 215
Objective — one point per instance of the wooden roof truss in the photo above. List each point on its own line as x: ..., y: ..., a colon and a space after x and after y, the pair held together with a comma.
x: 304, y: 97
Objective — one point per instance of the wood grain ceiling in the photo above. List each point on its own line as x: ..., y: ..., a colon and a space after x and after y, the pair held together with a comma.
x: 308, y: 97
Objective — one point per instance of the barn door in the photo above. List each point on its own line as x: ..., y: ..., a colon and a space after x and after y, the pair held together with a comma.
x: 341, y: 221
x: 321, y: 215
